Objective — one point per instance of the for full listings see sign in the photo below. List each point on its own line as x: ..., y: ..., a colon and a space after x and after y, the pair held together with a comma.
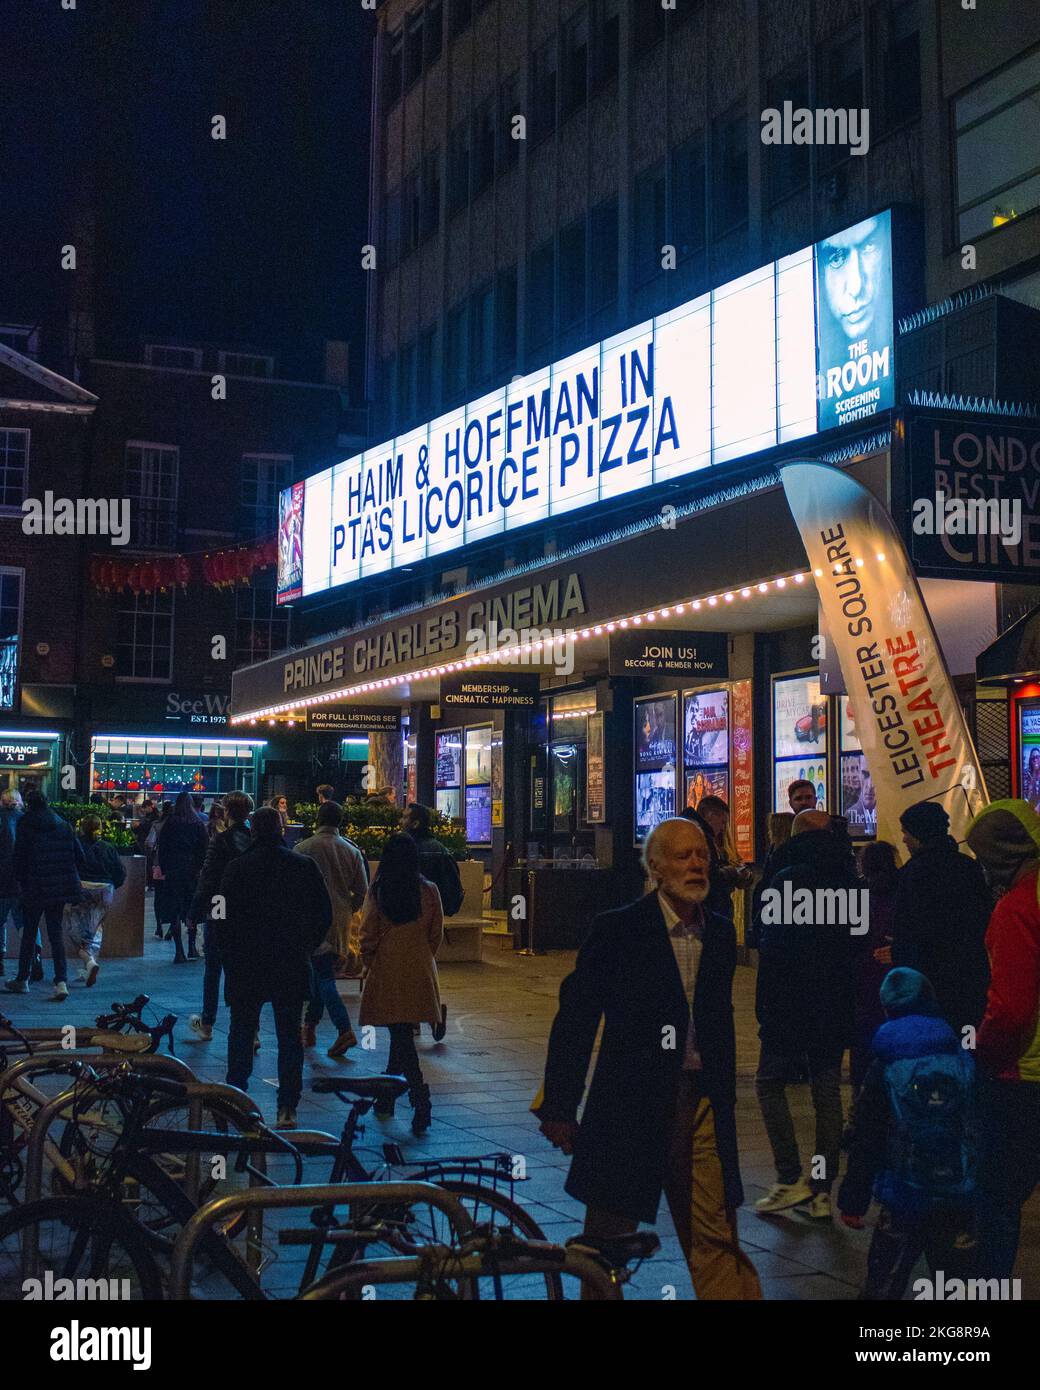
x: 907, y: 715
x: 661, y: 651
x: 353, y: 719
x: 974, y: 504
x: 799, y: 345
x: 507, y: 691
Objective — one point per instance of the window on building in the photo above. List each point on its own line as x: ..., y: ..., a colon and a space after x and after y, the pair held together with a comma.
x: 605, y: 41
x: 574, y: 73
x: 839, y: 87
x: 261, y: 627
x: 413, y: 47
x: 505, y: 319
x: 209, y: 767
x: 997, y: 125
x: 458, y: 168
x: 603, y: 255
x: 481, y: 333
x: 483, y: 171
x: 541, y: 266
x: 897, y: 46
x: 406, y: 385
x: 246, y: 364
x: 571, y: 295
x: 787, y: 166
x: 14, y: 467
x: 542, y: 105
x: 434, y: 31
x: 144, y: 636
x: 430, y: 216
x: 393, y: 70
x: 729, y: 172
x: 150, y: 482
x: 510, y: 105
x: 411, y: 212
x: 649, y: 18
x: 649, y: 231
x: 424, y: 373
x: 459, y: 15
x: 12, y: 582
x: 263, y: 478
x: 688, y: 196
x: 163, y: 355
x: 455, y: 326
x: 392, y: 228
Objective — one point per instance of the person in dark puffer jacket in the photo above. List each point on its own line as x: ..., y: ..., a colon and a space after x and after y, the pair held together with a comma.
x: 10, y: 904
x: 48, y: 862
x: 913, y: 1143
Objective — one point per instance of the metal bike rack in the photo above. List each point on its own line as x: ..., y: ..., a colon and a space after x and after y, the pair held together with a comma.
x: 407, y: 1269
x: 411, y: 1193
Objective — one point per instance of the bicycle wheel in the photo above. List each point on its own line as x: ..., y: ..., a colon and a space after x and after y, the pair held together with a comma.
x: 84, y: 1144
x: 82, y: 1239
x: 420, y: 1225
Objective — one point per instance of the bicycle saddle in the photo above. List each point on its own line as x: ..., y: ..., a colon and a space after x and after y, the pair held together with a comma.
x: 121, y: 1042
x: 620, y: 1250
x: 368, y: 1087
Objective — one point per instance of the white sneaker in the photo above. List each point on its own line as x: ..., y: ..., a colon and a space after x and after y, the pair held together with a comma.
x: 200, y: 1029
x: 92, y: 971
x: 820, y: 1208
x: 61, y: 992
x: 783, y: 1195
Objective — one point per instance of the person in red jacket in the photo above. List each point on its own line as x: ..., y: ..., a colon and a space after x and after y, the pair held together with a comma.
x: 1005, y: 837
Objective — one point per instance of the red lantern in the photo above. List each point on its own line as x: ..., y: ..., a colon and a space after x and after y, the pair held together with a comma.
x: 133, y: 579
x: 150, y: 579
x: 270, y: 552
x: 182, y: 570
x: 243, y: 566
x: 209, y: 573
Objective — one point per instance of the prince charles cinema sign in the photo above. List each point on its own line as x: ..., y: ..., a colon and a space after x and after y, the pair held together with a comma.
x: 799, y: 345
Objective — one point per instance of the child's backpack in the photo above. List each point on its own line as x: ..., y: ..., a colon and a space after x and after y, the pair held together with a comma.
x: 932, y: 1140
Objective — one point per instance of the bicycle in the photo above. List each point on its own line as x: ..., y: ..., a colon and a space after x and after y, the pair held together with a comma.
x: 115, y: 1223
x: 123, y: 1019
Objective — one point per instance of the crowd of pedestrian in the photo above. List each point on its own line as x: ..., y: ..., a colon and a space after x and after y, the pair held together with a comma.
x: 933, y: 989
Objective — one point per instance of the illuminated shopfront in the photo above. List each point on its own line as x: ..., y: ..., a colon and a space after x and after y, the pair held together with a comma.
x: 159, y: 767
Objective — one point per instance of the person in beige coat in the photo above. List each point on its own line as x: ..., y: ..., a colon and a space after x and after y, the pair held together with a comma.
x: 401, y: 928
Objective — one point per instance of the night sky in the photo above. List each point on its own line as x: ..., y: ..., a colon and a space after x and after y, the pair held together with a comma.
x: 253, y: 239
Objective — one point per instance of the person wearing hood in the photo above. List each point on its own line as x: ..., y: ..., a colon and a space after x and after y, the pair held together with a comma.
x: 48, y: 861
x: 913, y: 1143
x: 1006, y: 838
x: 804, y: 1003
x: 939, y: 919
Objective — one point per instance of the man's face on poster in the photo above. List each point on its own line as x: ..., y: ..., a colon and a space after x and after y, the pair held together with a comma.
x: 853, y: 270
x: 868, y: 795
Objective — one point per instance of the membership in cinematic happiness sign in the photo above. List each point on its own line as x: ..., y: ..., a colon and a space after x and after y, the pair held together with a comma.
x: 801, y: 344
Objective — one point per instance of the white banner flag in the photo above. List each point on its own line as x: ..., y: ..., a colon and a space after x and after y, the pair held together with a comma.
x: 907, y: 715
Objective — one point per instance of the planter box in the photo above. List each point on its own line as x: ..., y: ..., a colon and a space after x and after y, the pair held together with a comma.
x: 464, y: 933
x: 124, y: 922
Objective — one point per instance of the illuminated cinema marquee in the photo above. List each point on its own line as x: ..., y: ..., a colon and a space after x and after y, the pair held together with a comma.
x: 800, y: 345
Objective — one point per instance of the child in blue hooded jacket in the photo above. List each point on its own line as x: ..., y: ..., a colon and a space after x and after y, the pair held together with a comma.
x: 913, y: 1145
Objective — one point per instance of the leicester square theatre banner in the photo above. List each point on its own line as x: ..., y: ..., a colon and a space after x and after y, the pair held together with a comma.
x: 907, y: 715
x: 797, y: 346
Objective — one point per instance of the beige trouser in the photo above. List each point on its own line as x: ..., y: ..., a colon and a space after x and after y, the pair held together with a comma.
x: 695, y: 1192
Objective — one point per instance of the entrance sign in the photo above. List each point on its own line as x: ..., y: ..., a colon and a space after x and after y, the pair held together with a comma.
x: 737, y: 370
x: 907, y: 716
x: 354, y: 719
x: 660, y: 651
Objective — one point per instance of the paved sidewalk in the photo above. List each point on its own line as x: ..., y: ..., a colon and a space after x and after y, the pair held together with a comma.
x: 483, y: 1078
